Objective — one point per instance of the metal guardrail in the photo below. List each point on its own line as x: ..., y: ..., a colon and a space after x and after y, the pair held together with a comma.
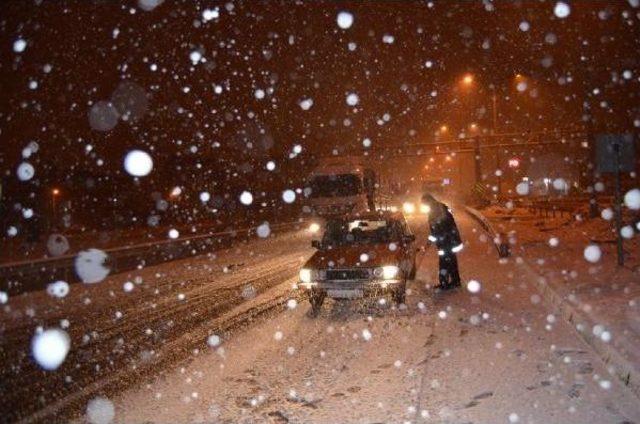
x: 502, y: 245
x: 27, y: 275
x: 555, y: 206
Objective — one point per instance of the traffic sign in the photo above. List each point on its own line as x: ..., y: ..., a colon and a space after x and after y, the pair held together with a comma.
x: 606, y: 159
x: 615, y: 153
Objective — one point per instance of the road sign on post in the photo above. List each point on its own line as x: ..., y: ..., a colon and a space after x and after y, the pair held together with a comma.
x: 615, y: 153
x: 606, y: 158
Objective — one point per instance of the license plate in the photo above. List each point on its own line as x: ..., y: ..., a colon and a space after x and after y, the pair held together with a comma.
x: 345, y: 294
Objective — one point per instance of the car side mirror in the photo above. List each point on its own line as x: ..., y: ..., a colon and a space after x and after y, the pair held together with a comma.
x: 316, y: 244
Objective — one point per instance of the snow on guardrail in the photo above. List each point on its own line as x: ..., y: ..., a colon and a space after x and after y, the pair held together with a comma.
x: 27, y: 275
x: 499, y: 240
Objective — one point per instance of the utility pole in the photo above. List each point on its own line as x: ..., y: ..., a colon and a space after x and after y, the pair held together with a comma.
x: 618, y: 207
x: 593, y: 201
x: 615, y: 154
x: 494, y: 110
x: 476, y: 154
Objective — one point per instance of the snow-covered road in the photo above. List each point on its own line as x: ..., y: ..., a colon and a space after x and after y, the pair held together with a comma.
x: 136, y: 323
x: 495, y: 356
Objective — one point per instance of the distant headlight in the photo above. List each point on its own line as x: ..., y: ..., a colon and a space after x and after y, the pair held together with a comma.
x: 314, y: 227
x: 305, y: 275
x: 408, y: 207
x: 390, y: 272
x: 425, y: 208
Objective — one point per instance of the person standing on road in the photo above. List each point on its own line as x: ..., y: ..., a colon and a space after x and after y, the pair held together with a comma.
x: 446, y: 237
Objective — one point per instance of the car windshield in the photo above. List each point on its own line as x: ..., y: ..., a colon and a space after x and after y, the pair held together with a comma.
x: 335, y: 185
x: 359, y: 231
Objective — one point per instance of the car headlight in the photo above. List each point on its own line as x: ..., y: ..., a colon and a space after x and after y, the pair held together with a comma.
x: 314, y: 227
x: 390, y: 272
x: 305, y: 275
x: 424, y: 208
x: 408, y: 207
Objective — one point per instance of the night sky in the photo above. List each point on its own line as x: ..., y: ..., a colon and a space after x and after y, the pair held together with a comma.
x: 204, y: 124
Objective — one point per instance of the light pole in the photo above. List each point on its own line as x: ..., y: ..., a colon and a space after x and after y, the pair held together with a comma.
x: 442, y: 132
x: 494, y: 110
x: 468, y: 80
x: 54, y: 195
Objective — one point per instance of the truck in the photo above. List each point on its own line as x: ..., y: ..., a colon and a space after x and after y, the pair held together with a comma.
x: 341, y: 185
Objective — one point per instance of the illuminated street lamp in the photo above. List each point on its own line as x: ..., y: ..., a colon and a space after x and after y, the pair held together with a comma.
x: 467, y: 80
x: 521, y: 83
x: 442, y: 132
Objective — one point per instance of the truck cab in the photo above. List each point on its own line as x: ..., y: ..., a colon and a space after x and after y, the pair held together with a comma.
x: 340, y: 186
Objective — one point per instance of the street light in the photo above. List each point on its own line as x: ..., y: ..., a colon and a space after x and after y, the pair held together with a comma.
x: 494, y: 109
x: 55, y: 192
x: 442, y: 132
x: 521, y: 82
x: 468, y: 80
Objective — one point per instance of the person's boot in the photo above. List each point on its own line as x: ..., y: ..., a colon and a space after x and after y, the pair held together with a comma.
x: 445, y: 284
x: 444, y: 280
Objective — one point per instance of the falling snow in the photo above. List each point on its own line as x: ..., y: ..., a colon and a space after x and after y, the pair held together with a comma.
x: 344, y: 20
x: 50, y: 347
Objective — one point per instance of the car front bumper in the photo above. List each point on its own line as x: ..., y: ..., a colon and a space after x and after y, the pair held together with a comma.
x: 367, y: 287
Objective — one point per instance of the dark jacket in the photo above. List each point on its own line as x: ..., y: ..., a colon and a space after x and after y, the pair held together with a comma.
x: 444, y: 232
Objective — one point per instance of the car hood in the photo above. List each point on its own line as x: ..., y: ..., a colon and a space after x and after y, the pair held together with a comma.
x: 350, y: 256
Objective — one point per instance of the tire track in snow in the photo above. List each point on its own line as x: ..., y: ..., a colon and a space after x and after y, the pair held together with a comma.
x: 154, y: 304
